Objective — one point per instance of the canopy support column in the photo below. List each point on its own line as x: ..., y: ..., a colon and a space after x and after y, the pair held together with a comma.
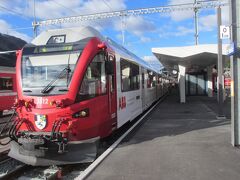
x: 209, y: 82
x: 181, y: 82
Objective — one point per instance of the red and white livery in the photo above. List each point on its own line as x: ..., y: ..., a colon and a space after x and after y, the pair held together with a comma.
x: 75, y: 87
x: 7, y: 88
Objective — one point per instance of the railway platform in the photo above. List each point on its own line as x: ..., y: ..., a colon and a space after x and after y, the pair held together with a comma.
x: 176, y: 142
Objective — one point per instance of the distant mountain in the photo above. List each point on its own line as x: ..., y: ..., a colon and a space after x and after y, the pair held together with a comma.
x: 8, y: 43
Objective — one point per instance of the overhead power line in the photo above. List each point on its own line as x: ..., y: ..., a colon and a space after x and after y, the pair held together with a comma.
x: 75, y: 12
x: 195, y: 6
x: 107, y: 5
x: 141, y: 11
x: 11, y: 11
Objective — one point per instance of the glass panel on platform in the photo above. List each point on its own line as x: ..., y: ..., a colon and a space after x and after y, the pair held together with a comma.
x: 200, y: 85
x: 192, y: 84
x: 196, y: 84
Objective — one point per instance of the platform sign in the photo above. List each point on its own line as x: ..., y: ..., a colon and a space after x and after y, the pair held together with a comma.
x: 224, y: 32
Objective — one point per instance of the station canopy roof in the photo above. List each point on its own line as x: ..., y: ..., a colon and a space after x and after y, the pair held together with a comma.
x: 194, y: 58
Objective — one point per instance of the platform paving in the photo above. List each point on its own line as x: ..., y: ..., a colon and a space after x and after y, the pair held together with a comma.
x: 176, y: 142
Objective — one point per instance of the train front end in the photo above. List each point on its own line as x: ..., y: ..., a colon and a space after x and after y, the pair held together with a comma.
x: 52, y: 126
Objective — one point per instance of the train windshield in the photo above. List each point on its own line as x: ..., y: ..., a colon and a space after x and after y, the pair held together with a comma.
x: 48, y: 70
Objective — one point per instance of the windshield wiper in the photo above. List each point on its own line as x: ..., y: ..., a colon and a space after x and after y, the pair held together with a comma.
x: 63, y: 90
x: 48, y: 87
x: 27, y: 90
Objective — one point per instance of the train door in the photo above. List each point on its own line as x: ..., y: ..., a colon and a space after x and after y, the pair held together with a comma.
x: 111, y: 84
x: 143, y: 87
x: 97, y: 96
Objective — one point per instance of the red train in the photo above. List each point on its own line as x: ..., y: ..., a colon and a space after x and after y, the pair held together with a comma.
x: 74, y: 88
x: 8, y: 89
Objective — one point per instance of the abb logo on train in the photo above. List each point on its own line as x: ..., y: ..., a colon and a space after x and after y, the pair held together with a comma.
x: 7, y: 88
x: 122, y: 102
x: 74, y: 88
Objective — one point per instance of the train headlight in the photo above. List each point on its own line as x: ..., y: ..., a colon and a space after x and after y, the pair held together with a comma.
x: 52, y: 103
x: 26, y: 104
x: 81, y: 114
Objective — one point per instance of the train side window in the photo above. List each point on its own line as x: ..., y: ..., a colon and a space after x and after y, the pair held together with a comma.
x: 94, y: 81
x: 129, y: 76
x: 151, y: 80
x: 154, y: 80
x: 112, y: 60
x: 159, y: 80
x: 6, y: 83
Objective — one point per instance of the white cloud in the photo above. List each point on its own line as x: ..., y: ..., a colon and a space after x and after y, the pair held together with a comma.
x: 48, y: 9
x: 176, y: 32
x: 136, y: 25
x: 183, y: 31
x: 145, y: 39
x: 5, y: 28
x: 209, y: 22
x: 180, y: 15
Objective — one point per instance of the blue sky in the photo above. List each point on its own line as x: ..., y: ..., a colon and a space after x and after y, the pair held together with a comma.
x: 141, y: 32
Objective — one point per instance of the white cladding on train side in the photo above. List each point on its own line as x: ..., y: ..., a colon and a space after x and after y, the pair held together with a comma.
x: 72, y: 35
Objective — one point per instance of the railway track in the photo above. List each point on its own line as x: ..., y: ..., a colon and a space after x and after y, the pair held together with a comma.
x: 22, y: 171
x: 3, y: 155
x: 10, y: 168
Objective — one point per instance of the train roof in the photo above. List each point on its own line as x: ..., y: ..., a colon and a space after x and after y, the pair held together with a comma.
x: 70, y: 35
x: 67, y: 35
x: 129, y: 55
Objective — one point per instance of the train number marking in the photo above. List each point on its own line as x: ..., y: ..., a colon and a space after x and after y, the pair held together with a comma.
x: 41, y: 100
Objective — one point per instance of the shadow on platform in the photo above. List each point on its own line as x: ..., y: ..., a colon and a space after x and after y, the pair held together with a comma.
x: 170, y: 118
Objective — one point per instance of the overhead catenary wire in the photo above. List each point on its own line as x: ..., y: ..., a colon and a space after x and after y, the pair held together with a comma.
x: 72, y: 10
x: 18, y: 14
x: 123, y: 22
x: 11, y: 11
x: 140, y: 11
x: 196, y: 5
x: 107, y: 5
x: 75, y: 12
x: 20, y: 28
